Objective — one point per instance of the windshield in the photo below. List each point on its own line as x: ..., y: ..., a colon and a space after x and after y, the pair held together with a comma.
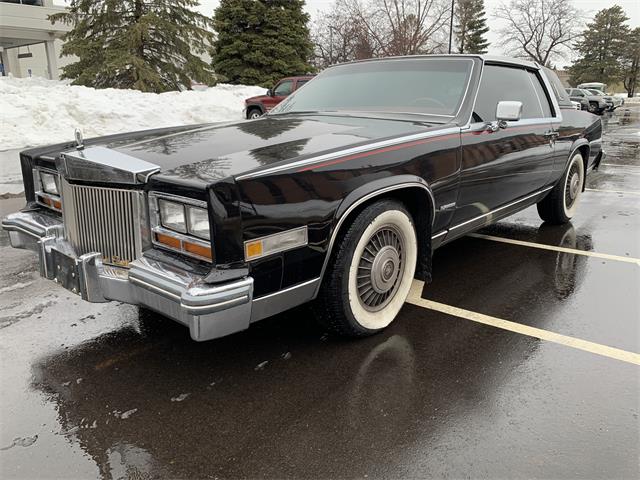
x: 427, y: 86
x: 595, y: 92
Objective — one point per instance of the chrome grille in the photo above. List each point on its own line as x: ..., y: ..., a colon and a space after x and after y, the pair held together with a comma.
x: 105, y: 220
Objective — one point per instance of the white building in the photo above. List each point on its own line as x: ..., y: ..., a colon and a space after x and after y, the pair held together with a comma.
x: 29, y: 43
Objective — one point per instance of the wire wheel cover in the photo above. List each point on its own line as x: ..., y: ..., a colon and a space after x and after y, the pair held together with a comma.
x: 380, y: 268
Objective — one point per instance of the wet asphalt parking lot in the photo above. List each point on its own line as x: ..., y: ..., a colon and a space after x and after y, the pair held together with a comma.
x: 520, y: 360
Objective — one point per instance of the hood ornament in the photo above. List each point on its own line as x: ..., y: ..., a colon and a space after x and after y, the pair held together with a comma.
x: 79, y: 139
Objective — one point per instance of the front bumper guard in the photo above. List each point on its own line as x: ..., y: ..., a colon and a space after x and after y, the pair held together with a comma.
x: 210, y: 311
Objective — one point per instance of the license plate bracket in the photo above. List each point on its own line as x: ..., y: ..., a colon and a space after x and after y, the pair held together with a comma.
x: 65, y: 271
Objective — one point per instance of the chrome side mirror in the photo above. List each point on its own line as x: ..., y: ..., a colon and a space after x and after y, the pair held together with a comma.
x: 505, y: 111
x: 508, y: 111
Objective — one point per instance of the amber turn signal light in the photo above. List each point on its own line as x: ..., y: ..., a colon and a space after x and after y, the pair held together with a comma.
x: 184, y: 245
x: 50, y: 202
x: 168, y: 240
x: 197, y: 249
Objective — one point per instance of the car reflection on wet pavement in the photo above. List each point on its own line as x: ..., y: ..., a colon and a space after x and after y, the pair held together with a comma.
x: 102, y: 390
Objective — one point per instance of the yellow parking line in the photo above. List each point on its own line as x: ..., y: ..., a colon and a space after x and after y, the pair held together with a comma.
x: 415, y: 298
x: 542, y: 246
x: 624, y: 192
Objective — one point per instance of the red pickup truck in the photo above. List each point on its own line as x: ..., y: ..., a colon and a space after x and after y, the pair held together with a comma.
x: 255, y: 107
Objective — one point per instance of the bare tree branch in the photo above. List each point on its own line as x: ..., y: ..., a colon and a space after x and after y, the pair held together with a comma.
x: 541, y: 30
x: 357, y: 28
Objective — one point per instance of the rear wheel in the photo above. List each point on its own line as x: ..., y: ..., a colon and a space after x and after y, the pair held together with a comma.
x: 370, y: 274
x: 562, y: 202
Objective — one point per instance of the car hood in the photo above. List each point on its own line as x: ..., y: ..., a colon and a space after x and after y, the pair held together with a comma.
x: 256, y: 99
x: 209, y: 153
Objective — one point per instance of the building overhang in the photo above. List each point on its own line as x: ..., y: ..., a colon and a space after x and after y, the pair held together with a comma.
x: 22, y: 25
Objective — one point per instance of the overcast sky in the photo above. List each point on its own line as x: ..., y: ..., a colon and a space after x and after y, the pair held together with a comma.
x: 590, y: 7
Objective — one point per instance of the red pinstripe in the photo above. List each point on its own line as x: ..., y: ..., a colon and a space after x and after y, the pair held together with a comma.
x: 402, y: 146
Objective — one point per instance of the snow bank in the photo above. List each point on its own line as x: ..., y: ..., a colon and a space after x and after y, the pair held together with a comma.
x: 35, y: 111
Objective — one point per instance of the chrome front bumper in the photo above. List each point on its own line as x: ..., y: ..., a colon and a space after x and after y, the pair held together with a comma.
x: 210, y: 311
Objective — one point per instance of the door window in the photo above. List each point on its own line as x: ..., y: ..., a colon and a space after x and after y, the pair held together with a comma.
x: 301, y: 83
x: 284, y: 88
x: 505, y: 83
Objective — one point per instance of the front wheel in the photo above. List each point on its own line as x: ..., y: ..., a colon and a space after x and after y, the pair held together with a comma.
x: 562, y: 202
x: 254, y: 113
x: 593, y: 107
x: 370, y: 274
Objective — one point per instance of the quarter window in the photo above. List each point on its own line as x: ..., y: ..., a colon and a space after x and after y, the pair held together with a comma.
x: 505, y: 83
x: 284, y: 88
x: 542, y: 96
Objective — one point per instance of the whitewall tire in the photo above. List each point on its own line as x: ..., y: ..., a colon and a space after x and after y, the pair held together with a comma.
x: 561, y: 204
x: 370, y: 274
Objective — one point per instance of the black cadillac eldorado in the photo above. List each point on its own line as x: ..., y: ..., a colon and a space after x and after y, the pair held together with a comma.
x: 339, y: 195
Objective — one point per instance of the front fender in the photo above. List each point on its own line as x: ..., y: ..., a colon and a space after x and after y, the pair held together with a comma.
x: 379, y: 187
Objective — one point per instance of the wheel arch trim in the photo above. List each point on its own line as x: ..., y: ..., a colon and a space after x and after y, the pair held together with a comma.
x: 364, y: 194
x: 257, y: 105
x: 581, y: 143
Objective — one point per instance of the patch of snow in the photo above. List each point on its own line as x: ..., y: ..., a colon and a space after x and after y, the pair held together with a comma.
x: 35, y: 111
x: 180, y: 397
x: 10, y: 171
x: 261, y: 365
x: 128, y: 413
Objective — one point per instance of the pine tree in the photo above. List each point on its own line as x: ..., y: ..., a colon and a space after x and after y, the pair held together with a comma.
x: 148, y: 46
x: 471, y: 26
x: 260, y: 41
x: 601, y: 48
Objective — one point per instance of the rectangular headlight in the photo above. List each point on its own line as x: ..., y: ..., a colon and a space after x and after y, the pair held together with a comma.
x: 180, y: 224
x: 49, y: 183
x: 276, y: 243
x: 172, y: 215
x: 198, y: 222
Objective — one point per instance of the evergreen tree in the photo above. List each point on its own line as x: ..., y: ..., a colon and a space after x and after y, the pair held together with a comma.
x: 471, y: 26
x: 260, y: 41
x: 601, y: 48
x: 148, y: 46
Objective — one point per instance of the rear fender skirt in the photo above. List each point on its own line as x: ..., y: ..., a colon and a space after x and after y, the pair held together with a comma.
x: 367, y: 193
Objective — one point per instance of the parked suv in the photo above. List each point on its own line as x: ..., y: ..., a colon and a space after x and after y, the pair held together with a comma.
x: 613, y: 102
x: 596, y: 103
x: 255, y: 107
